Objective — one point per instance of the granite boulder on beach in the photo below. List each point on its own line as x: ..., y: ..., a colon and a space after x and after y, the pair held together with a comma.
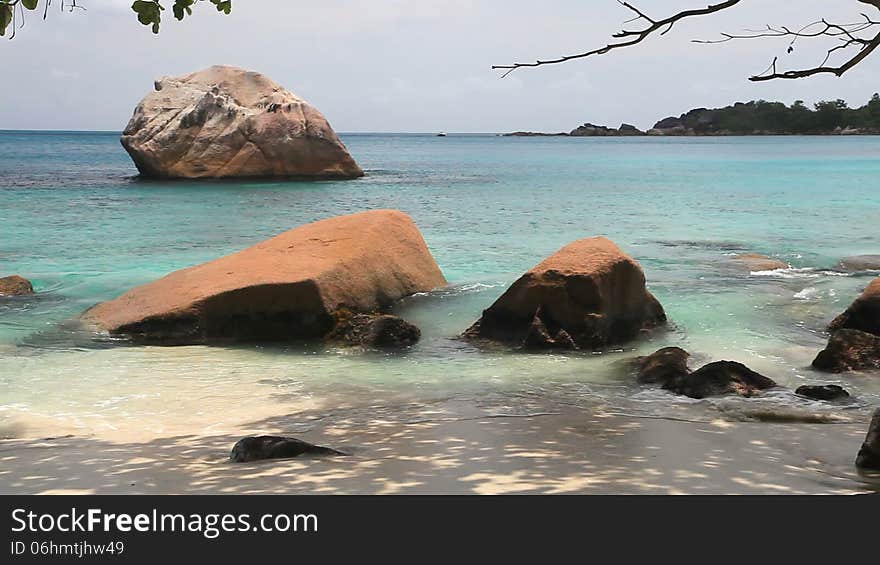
x: 225, y: 122
x: 588, y: 295
x: 290, y: 287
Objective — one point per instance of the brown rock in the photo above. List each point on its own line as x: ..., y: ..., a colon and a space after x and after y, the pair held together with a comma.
x: 15, y: 286
x: 719, y: 378
x: 849, y: 350
x: 228, y: 122
x: 665, y: 365
x: 863, y: 314
x: 869, y: 454
x: 587, y: 295
x: 754, y: 262
x: 288, y: 287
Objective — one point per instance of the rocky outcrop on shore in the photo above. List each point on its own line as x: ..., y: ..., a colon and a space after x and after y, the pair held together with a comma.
x: 290, y: 287
x: 228, y: 122
x: 854, y: 344
x: 757, y: 117
x: 668, y: 367
x: 15, y: 286
x: 588, y: 295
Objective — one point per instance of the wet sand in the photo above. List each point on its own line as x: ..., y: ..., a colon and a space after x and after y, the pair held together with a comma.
x: 456, y: 447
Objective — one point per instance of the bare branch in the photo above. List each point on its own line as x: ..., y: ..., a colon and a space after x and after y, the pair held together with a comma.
x: 637, y: 36
x: 848, y: 36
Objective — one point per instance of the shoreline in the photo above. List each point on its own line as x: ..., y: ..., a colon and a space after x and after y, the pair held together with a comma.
x: 456, y: 448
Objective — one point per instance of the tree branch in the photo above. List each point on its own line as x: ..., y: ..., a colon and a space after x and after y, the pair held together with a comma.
x: 637, y: 36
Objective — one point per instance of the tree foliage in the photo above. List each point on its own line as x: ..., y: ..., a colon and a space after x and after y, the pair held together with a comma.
x: 149, y: 12
x: 775, y: 117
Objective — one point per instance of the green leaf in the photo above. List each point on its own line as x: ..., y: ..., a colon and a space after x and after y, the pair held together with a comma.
x: 149, y: 13
x: 183, y: 8
x: 224, y: 6
x: 5, y: 17
x: 30, y: 4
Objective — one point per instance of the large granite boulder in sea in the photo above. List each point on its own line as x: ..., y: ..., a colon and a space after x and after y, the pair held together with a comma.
x: 290, y: 287
x: 588, y: 295
x: 854, y: 344
x: 227, y: 122
x: 15, y: 286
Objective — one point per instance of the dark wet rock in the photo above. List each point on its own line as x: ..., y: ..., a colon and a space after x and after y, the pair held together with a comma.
x: 720, y: 378
x: 15, y: 286
x: 275, y: 447
x: 822, y: 392
x: 849, y: 350
x: 373, y: 330
x: 869, y: 454
x: 863, y: 314
x: 858, y: 263
x: 665, y: 365
x: 588, y: 295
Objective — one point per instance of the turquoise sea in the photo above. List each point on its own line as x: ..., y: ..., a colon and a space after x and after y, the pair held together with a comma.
x: 76, y: 220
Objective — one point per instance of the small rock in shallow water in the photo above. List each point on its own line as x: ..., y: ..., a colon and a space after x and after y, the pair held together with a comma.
x: 869, y: 454
x: 373, y: 330
x: 15, y: 286
x: 719, y: 378
x: 822, y: 392
x: 663, y: 366
x: 275, y: 447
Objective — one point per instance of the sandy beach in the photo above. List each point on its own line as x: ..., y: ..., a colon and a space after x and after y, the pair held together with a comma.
x: 457, y: 447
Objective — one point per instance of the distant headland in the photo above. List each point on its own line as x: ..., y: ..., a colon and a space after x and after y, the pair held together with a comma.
x: 758, y: 117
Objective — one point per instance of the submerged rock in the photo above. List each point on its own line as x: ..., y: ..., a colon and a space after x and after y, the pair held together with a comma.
x: 373, y: 330
x: 858, y: 263
x: 755, y: 262
x: 228, y: 122
x: 275, y: 447
x: 15, y: 286
x: 587, y: 295
x: 719, y: 378
x: 849, y: 350
x: 663, y: 366
x: 854, y: 344
x: 286, y: 288
x: 869, y: 455
x: 822, y: 392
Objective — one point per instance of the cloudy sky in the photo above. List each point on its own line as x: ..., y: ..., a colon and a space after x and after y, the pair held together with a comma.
x: 417, y: 65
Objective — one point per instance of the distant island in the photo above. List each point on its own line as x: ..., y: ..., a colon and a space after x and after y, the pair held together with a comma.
x: 758, y: 117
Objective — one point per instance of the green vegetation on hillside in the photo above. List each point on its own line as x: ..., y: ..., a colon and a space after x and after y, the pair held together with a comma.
x: 776, y: 117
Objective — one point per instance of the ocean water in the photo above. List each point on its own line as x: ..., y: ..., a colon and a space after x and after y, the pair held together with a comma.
x: 78, y: 222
